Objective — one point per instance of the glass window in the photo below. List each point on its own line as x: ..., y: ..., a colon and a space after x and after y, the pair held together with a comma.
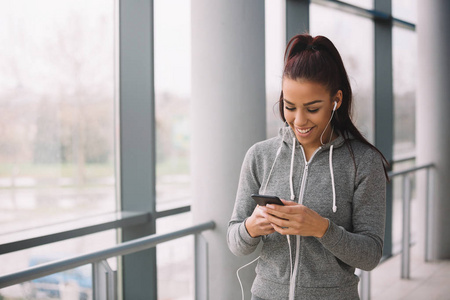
x: 368, y: 4
x: 57, y: 103
x: 175, y: 260
x: 404, y: 69
x: 172, y: 42
x: 57, y: 138
x: 275, y: 45
x: 404, y: 51
x: 71, y: 284
x: 353, y: 37
x: 172, y: 96
x: 405, y: 10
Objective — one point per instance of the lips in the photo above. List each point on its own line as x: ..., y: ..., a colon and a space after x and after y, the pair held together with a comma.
x: 304, y: 131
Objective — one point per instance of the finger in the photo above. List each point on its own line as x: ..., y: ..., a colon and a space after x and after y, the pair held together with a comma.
x: 266, y: 227
x: 281, y: 230
x: 277, y: 221
x: 288, y: 203
x: 278, y: 211
x: 286, y: 211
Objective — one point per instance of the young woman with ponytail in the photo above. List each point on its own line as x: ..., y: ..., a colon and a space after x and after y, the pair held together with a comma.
x: 331, y: 180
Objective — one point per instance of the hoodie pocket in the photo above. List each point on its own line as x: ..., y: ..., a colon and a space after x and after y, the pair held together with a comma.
x: 274, y: 263
x: 320, y: 268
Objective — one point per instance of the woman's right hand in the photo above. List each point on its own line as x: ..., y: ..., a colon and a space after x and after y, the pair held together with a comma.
x: 257, y: 224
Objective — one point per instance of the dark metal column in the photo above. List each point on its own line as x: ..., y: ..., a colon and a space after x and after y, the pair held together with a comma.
x: 384, y: 103
x: 137, y: 141
x: 297, y: 17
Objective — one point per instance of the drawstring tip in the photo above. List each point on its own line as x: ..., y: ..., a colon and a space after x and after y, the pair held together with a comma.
x: 334, y: 209
x: 292, y: 198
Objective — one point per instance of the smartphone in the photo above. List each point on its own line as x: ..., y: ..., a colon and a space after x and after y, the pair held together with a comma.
x: 262, y: 200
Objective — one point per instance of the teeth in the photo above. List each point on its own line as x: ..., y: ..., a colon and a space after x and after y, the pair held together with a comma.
x: 304, y: 131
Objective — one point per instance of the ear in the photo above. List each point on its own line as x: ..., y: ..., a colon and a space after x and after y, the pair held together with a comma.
x: 338, y: 99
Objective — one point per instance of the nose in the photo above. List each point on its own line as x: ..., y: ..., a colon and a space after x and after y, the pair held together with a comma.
x: 300, y: 118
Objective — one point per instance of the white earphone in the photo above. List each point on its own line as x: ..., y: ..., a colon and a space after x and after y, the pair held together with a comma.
x: 332, y: 114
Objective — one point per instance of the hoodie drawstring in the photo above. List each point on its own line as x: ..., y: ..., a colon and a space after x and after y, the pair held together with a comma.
x: 332, y: 178
x: 292, y: 170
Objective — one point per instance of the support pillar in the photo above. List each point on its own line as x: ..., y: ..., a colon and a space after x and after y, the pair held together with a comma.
x: 228, y: 115
x: 432, y: 113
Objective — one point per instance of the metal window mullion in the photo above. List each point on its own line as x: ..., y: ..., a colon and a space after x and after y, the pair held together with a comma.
x: 429, y: 245
x: 104, y: 281
x: 137, y: 141
x: 297, y: 17
x: 201, y: 268
x: 384, y: 103
x: 365, y: 285
x: 406, y: 227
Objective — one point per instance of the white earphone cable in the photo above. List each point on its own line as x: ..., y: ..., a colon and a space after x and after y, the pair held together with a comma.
x: 239, y: 279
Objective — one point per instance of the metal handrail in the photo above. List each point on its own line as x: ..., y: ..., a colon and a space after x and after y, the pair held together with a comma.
x: 406, y: 243
x: 28, y: 238
x: 367, y: 13
x: 410, y: 170
x: 38, y: 236
x: 89, y: 258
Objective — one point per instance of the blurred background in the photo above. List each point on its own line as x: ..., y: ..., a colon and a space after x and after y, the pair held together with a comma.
x: 60, y: 130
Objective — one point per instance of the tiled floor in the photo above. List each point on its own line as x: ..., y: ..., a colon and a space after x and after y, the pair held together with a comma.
x: 429, y: 281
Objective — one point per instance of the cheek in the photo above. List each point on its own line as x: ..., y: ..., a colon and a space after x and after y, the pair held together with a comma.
x: 289, y: 116
x: 322, y: 119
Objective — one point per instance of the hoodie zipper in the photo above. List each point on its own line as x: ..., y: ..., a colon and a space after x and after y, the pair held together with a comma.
x: 305, y: 174
x: 293, y: 279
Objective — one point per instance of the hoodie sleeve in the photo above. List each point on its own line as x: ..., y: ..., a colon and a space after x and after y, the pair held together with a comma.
x: 362, y: 248
x: 239, y: 240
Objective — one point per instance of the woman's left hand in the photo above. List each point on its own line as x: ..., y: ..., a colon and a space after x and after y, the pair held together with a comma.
x: 295, y: 219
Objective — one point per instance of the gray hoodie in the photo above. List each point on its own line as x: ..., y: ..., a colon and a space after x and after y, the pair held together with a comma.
x: 322, y: 268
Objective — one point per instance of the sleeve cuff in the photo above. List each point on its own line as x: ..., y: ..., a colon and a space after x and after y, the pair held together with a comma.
x: 332, y: 236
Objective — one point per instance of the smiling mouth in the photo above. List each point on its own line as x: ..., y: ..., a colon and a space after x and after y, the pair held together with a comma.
x: 304, y: 131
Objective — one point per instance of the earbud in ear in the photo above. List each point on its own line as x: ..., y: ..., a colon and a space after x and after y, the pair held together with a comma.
x: 335, y: 104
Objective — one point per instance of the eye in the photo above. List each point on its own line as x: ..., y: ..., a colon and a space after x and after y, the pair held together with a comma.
x: 289, y: 108
x: 313, y: 110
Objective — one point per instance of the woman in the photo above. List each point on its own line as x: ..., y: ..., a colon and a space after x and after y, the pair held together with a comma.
x: 332, y: 181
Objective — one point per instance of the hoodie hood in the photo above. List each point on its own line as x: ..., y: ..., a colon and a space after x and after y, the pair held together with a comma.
x: 289, y: 139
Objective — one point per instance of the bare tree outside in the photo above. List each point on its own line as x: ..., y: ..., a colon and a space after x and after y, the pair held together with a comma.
x: 56, y: 97
x: 57, y: 132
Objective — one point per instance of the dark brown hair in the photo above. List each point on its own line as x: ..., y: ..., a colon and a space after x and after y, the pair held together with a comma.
x: 316, y: 59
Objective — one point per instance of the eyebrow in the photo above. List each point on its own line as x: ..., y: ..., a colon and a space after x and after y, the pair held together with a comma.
x: 306, y: 104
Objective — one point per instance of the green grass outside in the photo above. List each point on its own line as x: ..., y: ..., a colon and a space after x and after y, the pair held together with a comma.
x: 91, y: 171
x: 42, y: 171
x: 173, y: 166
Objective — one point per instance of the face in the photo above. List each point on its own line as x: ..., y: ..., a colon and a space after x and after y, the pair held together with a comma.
x: 307, y: 108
